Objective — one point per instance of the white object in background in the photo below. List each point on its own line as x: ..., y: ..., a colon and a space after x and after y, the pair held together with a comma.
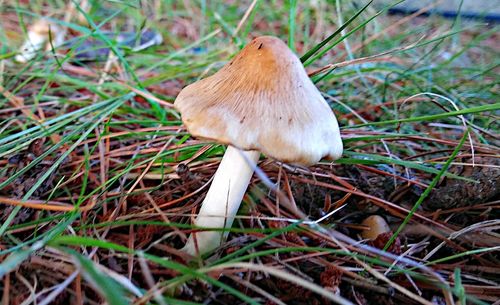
x: 38, y: 39
x: 467, y: 8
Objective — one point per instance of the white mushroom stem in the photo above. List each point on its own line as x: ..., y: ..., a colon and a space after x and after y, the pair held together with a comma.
x: 223, y: 199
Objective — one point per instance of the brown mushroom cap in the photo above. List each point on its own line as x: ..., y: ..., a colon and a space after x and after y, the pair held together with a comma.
x: 376, y: 225
x: 263, y: 100
x: 43, y: 27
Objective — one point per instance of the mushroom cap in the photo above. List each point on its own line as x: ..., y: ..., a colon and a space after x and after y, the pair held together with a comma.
x: 263, y: 100
x: 376, y: 226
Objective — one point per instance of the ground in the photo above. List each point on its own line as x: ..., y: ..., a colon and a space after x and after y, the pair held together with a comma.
x: 99, y: 179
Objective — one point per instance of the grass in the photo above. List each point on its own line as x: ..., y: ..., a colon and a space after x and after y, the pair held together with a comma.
x: 94, y: 205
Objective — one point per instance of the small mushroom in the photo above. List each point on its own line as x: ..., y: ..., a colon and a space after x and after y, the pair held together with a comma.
x: 261, y: 101
x: 40, y: 31
x: 38, y: 37
x: 376, y: 225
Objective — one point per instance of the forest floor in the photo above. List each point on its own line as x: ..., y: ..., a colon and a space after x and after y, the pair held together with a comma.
x: 94, y: 205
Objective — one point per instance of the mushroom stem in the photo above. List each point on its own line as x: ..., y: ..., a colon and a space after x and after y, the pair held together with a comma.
x: 223, y: 199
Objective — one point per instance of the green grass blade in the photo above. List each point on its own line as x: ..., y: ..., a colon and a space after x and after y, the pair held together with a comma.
x: 427, y: 191
x: 292, y: 12
x: 339, y: 40
x: 432, y: 117
x: 320, y: 45
x: 111, y: 290
x: 371, y: 159
x: 192, y: 273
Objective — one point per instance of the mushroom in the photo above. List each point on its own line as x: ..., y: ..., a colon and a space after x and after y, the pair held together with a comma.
x: 38, y: 32
x: 38, y: 37
x: 261, y: 101
x: 375, y: 225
